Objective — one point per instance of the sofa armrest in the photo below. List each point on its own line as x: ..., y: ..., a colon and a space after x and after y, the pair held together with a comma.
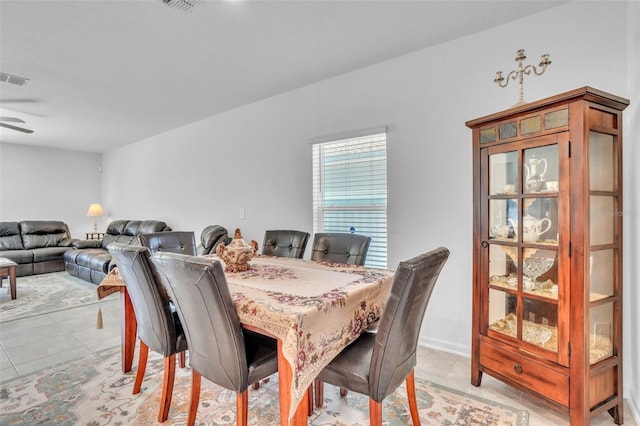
x: 81, y: 244
x: 67, y: 242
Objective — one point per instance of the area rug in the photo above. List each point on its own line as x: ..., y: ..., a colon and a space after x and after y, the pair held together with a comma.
x: 95, y: 392
x: 45, y: 293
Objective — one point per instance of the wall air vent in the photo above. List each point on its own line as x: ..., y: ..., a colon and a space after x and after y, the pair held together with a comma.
x: 184, y: 5
x: 13, y: 79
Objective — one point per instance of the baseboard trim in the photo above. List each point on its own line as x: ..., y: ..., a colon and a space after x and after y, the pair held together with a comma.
x: 634, y: 403
x: 445, y: 346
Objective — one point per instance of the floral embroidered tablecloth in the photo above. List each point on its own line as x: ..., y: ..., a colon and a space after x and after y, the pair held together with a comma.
x: 316, y: 309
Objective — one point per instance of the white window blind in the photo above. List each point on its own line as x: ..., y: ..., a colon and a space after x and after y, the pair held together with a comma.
x: 350, y: 190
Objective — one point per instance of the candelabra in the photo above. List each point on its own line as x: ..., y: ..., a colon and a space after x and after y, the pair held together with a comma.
x: 521, y: 71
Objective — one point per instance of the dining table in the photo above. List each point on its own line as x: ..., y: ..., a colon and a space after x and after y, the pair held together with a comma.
x: 313, y: 309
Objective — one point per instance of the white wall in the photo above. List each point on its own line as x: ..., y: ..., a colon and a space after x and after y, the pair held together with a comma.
x: 49, y: 184
x: 631, y: 210
x: 258, y: 156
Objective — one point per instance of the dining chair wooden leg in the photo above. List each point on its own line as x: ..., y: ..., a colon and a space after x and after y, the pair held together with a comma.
x: 196, y: 380
x: 242, y: 408
x: 310, y: 399
x: 411, y: 396
x: 319, y: 391
x: 375, y: 413
x: 167, y: 387
x: 142, y: 366
x: 256, y: 385
x: 183, y: 359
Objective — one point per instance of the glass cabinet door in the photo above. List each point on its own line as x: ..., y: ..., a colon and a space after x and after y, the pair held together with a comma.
x: 522, y: 228
x: 603, y: 253
x: 503, y: 185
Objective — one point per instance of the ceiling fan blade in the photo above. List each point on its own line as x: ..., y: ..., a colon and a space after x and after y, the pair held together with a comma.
x: 20, y: 101
x: 20, y: 129
x: 12, y: 119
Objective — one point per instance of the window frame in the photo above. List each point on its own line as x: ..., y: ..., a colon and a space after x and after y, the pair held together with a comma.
x: 375, y: 142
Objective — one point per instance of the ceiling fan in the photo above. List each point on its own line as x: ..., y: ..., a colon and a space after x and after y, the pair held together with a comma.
x: 12, y: 127
x: 20, y: 81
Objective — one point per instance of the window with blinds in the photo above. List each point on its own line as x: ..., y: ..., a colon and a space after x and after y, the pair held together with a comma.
x: 350, y: 190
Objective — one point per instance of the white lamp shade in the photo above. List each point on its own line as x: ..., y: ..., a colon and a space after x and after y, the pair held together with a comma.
x: 95, y: 210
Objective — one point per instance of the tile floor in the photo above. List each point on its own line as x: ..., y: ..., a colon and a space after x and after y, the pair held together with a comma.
x: 31, y: 344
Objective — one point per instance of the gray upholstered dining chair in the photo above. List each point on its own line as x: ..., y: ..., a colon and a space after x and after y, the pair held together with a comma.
x: 159, y: 328
x: 173, y: 241
x: 285, y: 243
x: 210, y: 237
x: 378, y: 362
x: 219, y: 349
x: 340, y: 248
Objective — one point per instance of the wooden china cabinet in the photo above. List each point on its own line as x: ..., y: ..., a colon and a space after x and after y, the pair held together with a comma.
x: 547, y: 242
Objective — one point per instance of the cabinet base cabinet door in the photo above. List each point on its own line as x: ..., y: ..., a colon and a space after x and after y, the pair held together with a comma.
x: 602, y: 387
x: 518, y: 370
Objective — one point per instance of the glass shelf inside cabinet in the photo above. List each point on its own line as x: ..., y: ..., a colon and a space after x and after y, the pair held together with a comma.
x: 601, y: 335
x: 601, y: 274
x: 502, y: 313
x: 503, y: 266
x: 539, y: 221
x: 540, y: 170
x: 538, y: 275
x: 540, y: 324
x: 504, y: 173
x: 601, y: 159
x: 540, y: 272
x: 503, y: 217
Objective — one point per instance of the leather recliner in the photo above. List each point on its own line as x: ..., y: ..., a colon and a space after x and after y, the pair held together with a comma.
x: 36, y: 246
x: 91, y: 260
x: 210, y: 237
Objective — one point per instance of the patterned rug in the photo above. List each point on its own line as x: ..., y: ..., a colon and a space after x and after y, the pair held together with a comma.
x: 39, y: 294
x: 94, y: 392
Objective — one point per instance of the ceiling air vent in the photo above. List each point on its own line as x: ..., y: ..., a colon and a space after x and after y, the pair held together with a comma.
x: 13, y: 79
x: 184, y: 5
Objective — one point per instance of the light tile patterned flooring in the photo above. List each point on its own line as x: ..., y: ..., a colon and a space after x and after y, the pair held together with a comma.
x: 32, y: 344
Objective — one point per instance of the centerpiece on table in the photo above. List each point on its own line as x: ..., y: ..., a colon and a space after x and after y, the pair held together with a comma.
x: 237, y: 254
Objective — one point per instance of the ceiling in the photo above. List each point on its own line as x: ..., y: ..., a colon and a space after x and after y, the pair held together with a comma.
x: 108, y: 73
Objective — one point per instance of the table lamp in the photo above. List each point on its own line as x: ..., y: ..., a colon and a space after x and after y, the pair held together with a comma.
x: 95, y: 210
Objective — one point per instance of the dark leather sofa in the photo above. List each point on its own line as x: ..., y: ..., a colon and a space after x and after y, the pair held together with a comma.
x: 210, y: 237
x: 37, y: 246
x: 90, y: 259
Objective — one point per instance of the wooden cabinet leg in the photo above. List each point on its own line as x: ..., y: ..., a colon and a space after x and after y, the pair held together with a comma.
x: 476, y: 377
x: 616, y: 413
